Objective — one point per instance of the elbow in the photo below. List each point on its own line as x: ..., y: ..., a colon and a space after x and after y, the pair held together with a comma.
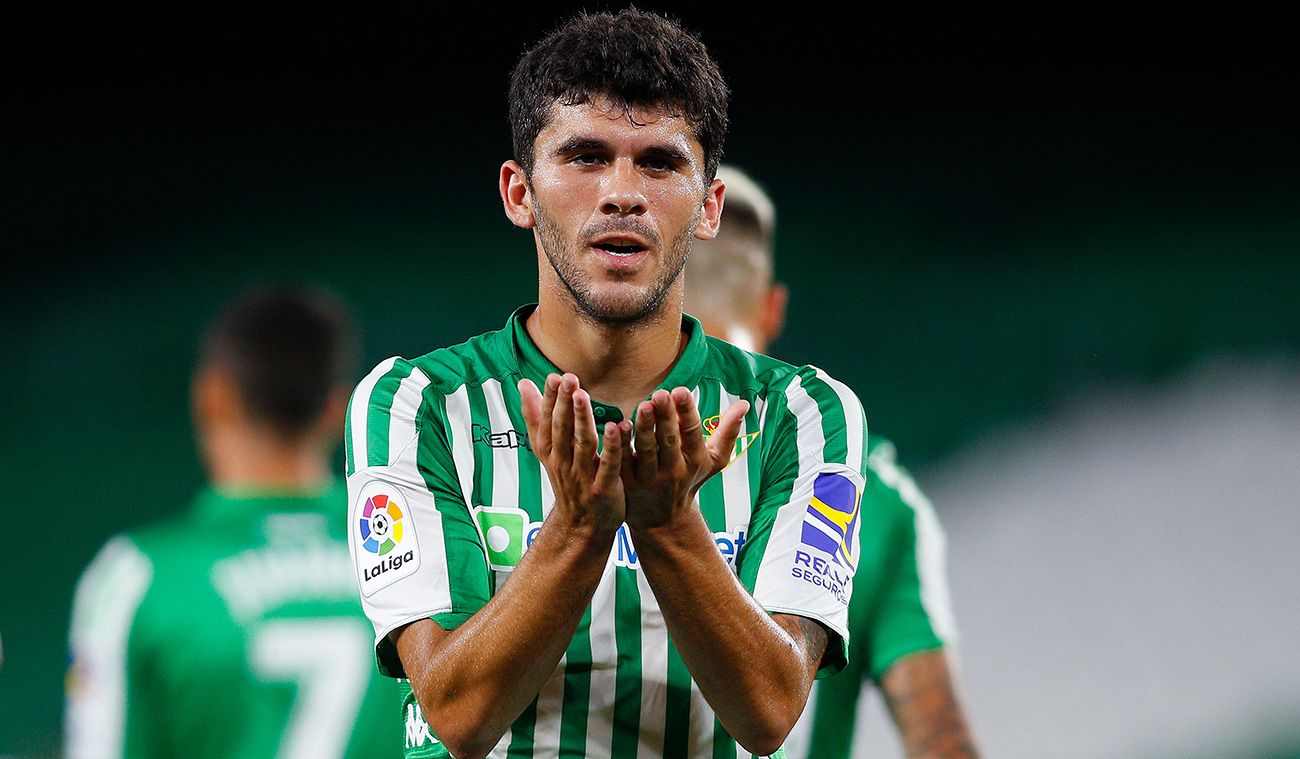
x: 466, y: 732
x: 464, y: 742
x: 766, y: 733
x: 763, y: 743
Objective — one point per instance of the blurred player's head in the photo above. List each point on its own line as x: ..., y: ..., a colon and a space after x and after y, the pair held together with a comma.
x: 272, y: 381
x: 618, y: 122
x: 729, y: 279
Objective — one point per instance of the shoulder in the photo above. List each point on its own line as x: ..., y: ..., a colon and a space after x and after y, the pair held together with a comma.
x: 745, y: 372
x: 442, y: 370
x: 893, y: 489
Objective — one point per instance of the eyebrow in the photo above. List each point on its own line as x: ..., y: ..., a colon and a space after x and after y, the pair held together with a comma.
x: 580, y: 143
x: 576, y: 144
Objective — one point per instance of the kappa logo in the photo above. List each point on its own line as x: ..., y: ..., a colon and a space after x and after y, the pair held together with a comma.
x: 417, y: 730
x: 742, y: 443
x: 508, y: 439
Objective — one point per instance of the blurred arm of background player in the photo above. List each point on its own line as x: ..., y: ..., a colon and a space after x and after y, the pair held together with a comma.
x: 899, y: 618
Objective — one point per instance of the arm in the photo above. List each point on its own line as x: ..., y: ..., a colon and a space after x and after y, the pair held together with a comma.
x: 721, y: 632
x: 472, y: 682
x: 719, y: 629
x: 923, y: 702
x: 910, y: 624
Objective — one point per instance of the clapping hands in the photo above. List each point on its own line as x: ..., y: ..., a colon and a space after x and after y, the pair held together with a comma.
x: 644, y: 474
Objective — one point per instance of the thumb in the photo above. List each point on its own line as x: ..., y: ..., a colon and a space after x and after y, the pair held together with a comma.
x: 723, y: 440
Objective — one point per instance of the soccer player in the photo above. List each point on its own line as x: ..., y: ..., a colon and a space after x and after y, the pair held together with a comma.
x: 597, y: 532
x: 900, y: 616
x: 234, y: 629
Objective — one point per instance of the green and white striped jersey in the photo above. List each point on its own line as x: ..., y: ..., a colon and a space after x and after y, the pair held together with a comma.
x: 231, y: 630
x: 446, y: 496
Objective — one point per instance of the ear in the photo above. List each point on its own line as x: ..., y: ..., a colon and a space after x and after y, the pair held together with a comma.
x: 711, y: 220
x: 773, y: 316
x: 334, y: 414
x: 515, y: 195
x: 214, y: 400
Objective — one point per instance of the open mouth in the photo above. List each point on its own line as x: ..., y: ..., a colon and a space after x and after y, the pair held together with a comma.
x: 630, y: 249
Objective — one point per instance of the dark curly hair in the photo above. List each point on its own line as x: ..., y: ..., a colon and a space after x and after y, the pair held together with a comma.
x: 638, y: 59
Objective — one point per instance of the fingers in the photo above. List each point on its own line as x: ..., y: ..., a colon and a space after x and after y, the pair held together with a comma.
x: 688, y: 420
x: 530, y: 401
x: 723, y: 440
x: 647, y: 455
x: 611, y: 457
x: 584, y: 430
x: 668, y: 433
x: 562, y: 419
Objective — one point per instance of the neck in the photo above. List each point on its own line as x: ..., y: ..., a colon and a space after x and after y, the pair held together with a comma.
x: 617, y: 363
x: 246, y: 460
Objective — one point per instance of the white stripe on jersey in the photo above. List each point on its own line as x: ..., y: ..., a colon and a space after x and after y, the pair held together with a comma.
x: 853, y: 432
x: 735, y: 478
x: 931, y: 544
x: 403, y: 445
x: 550, y: 708
x: 505, y: 461
x: 604, y: 669
x: 654, y: 673
x: 107, y: 597
x: 361, y: 410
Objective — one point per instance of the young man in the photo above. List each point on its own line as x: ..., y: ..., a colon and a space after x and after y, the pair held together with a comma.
x: 234, y: 630
x: 900, y: 617
x: 543, y: 540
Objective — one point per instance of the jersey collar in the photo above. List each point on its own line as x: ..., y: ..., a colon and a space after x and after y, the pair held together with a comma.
x: 534, y: 365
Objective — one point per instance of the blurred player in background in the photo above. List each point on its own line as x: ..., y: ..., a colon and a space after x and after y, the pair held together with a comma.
x: 900, y: 617
x: 234, y: 629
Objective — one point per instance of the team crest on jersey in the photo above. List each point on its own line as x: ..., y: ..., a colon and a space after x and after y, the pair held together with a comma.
x: 742, y: 442
x: 386, y: 548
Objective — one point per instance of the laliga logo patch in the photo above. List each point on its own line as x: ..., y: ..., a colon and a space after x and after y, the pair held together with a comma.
x: 384, y: 532
x: 380, y: 524
x: 742, y: 443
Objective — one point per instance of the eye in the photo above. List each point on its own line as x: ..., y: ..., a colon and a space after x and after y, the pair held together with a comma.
x: 585, y: 159
x: 659, y: 165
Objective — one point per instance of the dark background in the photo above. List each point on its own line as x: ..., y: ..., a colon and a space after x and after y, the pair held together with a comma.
x: 979, y: 216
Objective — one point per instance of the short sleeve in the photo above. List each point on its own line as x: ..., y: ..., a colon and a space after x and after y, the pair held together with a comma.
x: 802, y: 552
x: 908, y: 607
x: 415, y: 547
x: 101, y: 675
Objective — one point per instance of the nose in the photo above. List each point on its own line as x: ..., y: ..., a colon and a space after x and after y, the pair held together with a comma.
x: 621, y: 192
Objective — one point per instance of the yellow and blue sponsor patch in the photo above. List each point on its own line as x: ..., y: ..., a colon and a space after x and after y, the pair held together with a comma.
x: 832, y: 518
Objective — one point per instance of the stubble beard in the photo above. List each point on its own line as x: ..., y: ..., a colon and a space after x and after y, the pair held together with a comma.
x: 636, y: 307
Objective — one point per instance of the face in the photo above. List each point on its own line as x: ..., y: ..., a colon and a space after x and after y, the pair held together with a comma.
x: 615, y: 206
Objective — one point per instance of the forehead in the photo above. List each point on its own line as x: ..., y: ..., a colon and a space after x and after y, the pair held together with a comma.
x: 608, y: 120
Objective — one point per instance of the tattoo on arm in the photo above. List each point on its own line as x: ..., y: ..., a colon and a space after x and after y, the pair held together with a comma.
x: 923, y: 702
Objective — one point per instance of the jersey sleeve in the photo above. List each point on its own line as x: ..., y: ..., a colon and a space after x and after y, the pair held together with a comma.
x: 803, y: 545
x: 103, y: 658
x: 909, y: 608
x: 416, y: 549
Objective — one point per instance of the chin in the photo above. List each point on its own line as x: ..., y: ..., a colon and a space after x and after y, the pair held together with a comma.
x: 618, y: 305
